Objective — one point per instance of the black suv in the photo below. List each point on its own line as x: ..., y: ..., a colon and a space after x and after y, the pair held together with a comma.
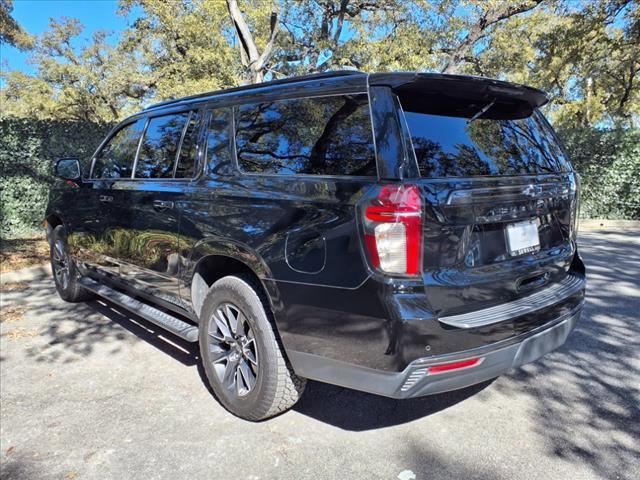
x: 399, y: 233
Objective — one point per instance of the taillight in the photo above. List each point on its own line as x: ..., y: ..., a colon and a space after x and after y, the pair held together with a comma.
x: 393, y: 230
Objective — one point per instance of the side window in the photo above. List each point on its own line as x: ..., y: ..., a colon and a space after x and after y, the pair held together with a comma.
x: 318, y: 136
x: 186, y: 167
x: 160, y: 145
x: 218, y: 154
x: 115, y: 159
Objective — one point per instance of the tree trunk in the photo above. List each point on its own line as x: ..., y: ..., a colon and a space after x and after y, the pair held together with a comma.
x: 252, y: 59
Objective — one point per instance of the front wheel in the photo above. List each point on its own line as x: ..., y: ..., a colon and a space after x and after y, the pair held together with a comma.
x: 241, y: 355
x: 65, y: 274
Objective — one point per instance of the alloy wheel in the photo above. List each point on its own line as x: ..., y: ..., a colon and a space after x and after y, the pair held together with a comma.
x: 60, y: 264
x: 232, y: 350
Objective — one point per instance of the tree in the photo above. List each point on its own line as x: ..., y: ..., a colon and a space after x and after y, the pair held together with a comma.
x: 10, y: 32
x: 586, y: 55
x: 185, y: 46
x: 254, y: 62
x: 98, y: 82
x: 486, y: 14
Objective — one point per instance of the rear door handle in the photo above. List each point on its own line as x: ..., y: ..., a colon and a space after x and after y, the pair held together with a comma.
x: 162, y: 205
x: 106, y: 198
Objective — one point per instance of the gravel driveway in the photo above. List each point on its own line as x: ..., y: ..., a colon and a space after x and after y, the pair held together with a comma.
x: 88, y: 391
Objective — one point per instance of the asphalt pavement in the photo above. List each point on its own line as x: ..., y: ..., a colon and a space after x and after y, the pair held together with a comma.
x: 90, y: 392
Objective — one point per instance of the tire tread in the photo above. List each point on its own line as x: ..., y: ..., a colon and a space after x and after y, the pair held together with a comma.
x: 287, y: 389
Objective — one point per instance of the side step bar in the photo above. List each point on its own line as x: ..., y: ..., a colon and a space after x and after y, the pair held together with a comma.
x: 172, y: 324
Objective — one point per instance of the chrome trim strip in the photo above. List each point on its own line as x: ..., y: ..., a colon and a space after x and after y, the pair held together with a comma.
x: 510, y: 192
x: 548, y: 296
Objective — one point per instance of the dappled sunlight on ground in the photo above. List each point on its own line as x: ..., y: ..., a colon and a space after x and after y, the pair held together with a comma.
x: 114, y: 395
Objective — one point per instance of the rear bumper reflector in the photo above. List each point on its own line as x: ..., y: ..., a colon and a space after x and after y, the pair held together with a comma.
x: 448, y: 367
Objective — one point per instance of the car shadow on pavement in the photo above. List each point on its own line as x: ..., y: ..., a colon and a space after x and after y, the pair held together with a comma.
x: 341, y: 407
x: 359, y: 411
x: 78, y: 330
x: 177, y: 348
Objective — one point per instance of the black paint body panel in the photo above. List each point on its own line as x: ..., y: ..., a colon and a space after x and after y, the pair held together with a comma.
x: 300, y: 235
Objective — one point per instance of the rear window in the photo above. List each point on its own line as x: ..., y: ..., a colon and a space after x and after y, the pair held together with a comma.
x: 451, y: 146
x: 316, y: 136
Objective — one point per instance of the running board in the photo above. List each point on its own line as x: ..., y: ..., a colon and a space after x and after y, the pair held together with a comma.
x: 170, y: 323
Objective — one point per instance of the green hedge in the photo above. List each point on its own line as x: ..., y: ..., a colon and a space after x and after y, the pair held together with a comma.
x: 609, y: 165
x: 28, y: 149
x: 608, y: 161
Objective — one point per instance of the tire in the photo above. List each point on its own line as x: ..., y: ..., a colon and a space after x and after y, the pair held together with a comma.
x: 245, y: 363
x: 65, y: 273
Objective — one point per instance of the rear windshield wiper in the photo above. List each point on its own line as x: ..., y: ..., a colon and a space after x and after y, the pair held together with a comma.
x: 481, y: 111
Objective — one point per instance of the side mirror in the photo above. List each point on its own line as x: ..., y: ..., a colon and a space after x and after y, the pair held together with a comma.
x: 67, y: 169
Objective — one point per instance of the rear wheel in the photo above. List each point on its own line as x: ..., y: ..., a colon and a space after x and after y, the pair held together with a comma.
x: 241, y: 355
x: 65, y: 273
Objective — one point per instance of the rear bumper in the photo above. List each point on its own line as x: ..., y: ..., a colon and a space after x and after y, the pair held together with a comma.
x: 415, y: 380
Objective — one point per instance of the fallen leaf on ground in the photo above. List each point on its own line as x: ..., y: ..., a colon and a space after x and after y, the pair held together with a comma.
x: 14, y: 286
x: 71, y: 475
x: 20, y: 333
x: 23, y: 252
x: 9, y: 450
x: 11, y: 314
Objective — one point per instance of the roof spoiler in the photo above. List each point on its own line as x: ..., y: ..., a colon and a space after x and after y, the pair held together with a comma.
x: 467, y: 86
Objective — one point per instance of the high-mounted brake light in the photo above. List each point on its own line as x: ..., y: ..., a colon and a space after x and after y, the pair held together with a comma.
x: 393, y: 230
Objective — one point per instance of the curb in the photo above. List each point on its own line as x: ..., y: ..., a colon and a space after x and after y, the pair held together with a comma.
x: 39, y: 272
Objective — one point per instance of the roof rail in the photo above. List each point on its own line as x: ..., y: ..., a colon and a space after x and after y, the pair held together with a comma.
x: 301, y: 78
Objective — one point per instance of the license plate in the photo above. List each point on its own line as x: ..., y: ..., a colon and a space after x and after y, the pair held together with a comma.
x: 522, y: 237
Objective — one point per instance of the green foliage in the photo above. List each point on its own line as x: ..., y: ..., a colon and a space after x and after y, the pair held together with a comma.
x: 28, y: 149
x: 10, y: 32
x: 98, y: 82
x: 184, y: 46
x: 586, y: 54
x: 609, y: 165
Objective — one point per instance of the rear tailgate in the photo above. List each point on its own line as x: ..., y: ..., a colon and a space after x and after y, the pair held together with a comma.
x: 471, y: 255
x: 500, y: 194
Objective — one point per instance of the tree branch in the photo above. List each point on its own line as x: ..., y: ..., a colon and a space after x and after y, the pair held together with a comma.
x: 480, y: 29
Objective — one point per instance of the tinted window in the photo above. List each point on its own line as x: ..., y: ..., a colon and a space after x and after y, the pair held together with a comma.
x: 186, y: 167
x: 160, y: 146
x: 449, y: 146
x: 322, y: 136
x: 218, y: 154
x: 115, y: 159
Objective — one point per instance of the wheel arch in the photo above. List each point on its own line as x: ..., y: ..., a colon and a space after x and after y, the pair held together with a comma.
x: 214, y: 259
x: 51, y: 221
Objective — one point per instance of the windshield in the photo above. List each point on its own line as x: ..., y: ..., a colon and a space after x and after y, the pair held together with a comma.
x: 451, y: 146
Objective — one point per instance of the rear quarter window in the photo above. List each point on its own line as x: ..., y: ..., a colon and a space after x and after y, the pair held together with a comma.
x: 315, y: 136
